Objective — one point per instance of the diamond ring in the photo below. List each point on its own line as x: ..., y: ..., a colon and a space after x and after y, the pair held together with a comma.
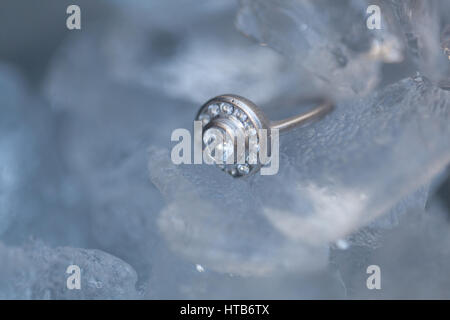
x: 232, y: 117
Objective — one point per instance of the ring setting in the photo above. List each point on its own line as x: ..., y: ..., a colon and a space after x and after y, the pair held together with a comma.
x: 234, y: 117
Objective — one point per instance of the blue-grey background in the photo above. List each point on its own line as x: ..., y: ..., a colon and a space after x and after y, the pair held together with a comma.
x: 85, y: 171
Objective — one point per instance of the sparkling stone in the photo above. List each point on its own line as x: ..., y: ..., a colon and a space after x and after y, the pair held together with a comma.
x: 251, y: 131
x: 227, y: 108
x: 204, y: 118
x: 233, y: 171
x: 248, y: 124
x: 237, y: 113
x: 199, y: 268
x: 214, y: 109
x: 226, y: 147
x: 243, y: 117
x: 243, y: 168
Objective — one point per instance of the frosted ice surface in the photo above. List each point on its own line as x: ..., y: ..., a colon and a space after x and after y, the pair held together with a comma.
x: 444, y: 71
x: 124, y: 214
x: 24, y: 124
x: 108, y: 126
x: 216, y: 221
x: 11, y: 90
x: 195, y: 62
x: 31, y: 186
x: 365, y: 158
x: 415, y: 255
x: 39, y: 272
x: 171, y: 14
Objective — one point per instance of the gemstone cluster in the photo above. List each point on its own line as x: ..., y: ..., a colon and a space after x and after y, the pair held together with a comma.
x: 225, y: 117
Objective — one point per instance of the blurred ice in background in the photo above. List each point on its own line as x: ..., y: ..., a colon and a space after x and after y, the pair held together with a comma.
x: 86, y: 177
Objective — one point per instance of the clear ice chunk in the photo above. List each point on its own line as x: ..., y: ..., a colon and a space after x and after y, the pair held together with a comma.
x: 215, y: 220
x: 423, y: 37
x: 331, y: 41
x: 366, y: 158
x: 327, y: 41
x: 370, y: 157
